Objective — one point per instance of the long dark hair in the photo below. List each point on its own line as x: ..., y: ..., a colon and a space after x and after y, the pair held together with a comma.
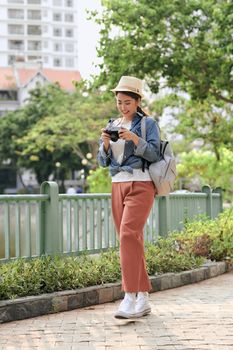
x: 136, y: 97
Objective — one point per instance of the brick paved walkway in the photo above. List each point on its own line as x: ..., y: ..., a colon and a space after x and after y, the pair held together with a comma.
x: 197, y: 316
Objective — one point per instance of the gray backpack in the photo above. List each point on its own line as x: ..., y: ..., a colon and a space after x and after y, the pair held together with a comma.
x: 163, y: 172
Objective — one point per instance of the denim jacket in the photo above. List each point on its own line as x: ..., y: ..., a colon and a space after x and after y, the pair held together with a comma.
x: 148, y: 149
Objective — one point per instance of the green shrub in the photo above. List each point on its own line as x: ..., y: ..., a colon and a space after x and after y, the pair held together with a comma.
x: 99, y: 181
x: 222, y: 246
x: 203, y: 164
x: 49, y: 274
x: 210, y: 238
x: 164, y: 257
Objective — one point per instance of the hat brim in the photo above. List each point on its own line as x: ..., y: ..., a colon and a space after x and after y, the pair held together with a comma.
x: 126, y: 90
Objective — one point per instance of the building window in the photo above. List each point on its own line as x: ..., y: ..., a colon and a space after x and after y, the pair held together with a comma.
x: 45, y: 13
x: 69, y: 3
x: 57, y: 62
x: 45, y: 44
x: 34, y: 30
x: 57, y: 17
x: 57, y: 32
x: 34, y: 2
x: 8, y: 95
x: 69, y: 62
x: 57, y: 2
x: 69, y: 33
x: 69, y: 47
x: 15, y: 29
x: 17, y: 14
x: 15, y: 45
x: 34, y: 45
x: 57, y: 47
x: 11, y: 59
x: 45, y: 59
x: 15, y: 1
x: 34, y: 58
x: 69, y: 17
x: 34, y: 14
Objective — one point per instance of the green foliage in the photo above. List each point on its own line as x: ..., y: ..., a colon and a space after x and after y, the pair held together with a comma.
x: 205, y: 166
x: 48, y: 274
x: 189, y: 43
x: 16, y: 125
x: 99, y: 181
x: 163, y: 257
x: 209, y: 121
x: 78, y: 120
x: 210, y: 238
x: 207, y: 126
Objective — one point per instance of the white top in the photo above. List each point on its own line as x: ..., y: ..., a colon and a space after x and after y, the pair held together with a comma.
x: 118, y: 152
x: 119, y: 146
x: 71, y: 190
x: 138, y: 175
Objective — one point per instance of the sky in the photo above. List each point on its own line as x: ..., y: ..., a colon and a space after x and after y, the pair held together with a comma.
x: 87, y: 38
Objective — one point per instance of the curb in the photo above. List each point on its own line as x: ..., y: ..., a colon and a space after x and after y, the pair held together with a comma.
x: 32, y: 306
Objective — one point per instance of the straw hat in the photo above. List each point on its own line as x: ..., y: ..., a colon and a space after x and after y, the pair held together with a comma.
x: 130, y: 84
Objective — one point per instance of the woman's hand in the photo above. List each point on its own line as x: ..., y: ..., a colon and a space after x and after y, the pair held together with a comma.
x: 106, y: 140
x: 127, y: 135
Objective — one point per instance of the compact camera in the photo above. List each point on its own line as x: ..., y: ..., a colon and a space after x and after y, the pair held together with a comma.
x: 113, y: 132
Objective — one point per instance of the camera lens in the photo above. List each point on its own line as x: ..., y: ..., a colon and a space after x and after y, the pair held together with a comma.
x: 114, y: 136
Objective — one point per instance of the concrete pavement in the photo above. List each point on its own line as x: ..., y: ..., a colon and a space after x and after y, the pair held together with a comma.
x: 197, y: 316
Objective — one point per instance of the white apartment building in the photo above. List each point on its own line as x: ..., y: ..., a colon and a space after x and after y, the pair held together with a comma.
x: 39, y: 30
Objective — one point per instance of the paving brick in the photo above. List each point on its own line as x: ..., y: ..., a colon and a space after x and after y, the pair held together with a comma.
x: 106, y: 295
x: 166, y: 283
x: 75, y: 301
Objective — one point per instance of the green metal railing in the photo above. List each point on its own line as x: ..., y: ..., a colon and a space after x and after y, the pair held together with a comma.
x: 51, y: 223
x: 86, y: 222
x: 20, y: 216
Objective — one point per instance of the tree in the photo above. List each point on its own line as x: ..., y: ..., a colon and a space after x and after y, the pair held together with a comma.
x: 15, y: 125
x: 183, y: 44
x: 209, y: 121
x: 204, y: 166
x: 75, y: 127
x: 11, y: 127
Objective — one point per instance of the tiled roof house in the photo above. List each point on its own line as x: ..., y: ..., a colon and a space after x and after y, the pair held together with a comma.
x: 18, y: 80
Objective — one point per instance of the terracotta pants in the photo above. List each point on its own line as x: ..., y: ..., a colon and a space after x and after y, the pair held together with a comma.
x: 131, y: 205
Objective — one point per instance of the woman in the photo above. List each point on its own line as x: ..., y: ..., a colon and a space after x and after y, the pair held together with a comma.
x: 133, y: 191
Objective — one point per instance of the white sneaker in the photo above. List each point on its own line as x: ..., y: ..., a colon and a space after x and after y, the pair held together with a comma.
x: 142, y: 307
x: 127, y: 306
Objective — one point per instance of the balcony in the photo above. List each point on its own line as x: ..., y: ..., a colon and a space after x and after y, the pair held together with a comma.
x: 34, y: 30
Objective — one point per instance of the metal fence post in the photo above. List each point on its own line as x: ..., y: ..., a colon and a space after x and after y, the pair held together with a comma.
x: 220, y: 191
x: 164, y: 216
x: 51, y: 238
x: 209, y: 205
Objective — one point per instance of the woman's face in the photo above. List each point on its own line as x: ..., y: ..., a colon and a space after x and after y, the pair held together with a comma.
x: 126, y: 105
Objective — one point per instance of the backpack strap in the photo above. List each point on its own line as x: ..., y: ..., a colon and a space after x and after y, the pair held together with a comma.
x: 143, y: 127
x: 143, y: 132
